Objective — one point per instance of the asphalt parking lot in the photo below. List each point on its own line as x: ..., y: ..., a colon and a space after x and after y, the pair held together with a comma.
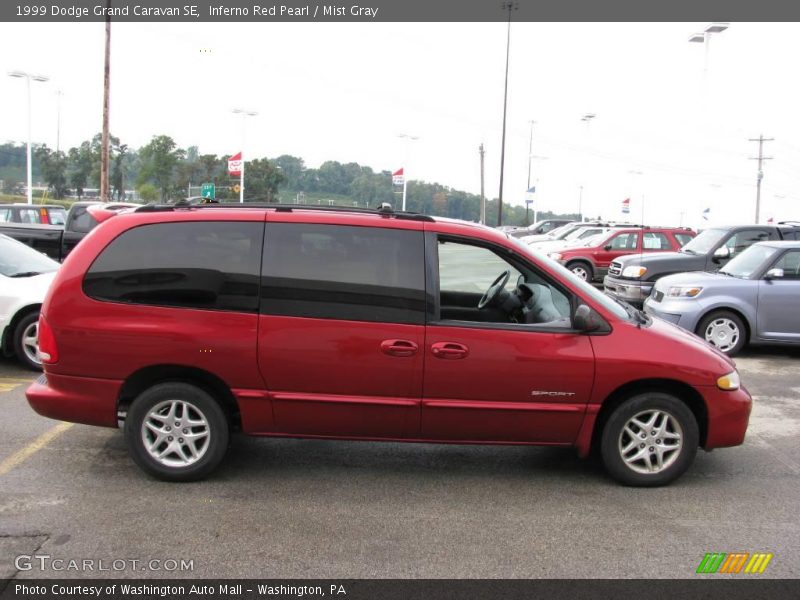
x: 294, y: 508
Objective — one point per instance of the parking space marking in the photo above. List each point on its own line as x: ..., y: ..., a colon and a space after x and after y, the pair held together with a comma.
x: 8, y: 384
x: 21, y: 455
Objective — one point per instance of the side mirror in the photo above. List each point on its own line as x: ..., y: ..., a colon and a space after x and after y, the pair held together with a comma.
x: 722, y: 252
x: 774, y: 274
x: 587, y: 320
x: 607, y: 247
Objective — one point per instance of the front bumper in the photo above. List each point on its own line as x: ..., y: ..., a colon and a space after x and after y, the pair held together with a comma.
x: 728, y: 416
x: 635, y: 292
x: 684, y: 312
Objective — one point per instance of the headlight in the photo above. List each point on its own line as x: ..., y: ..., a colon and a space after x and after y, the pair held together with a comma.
x: 634, y: 271
x: 555, y: 255
x: 729, y: 382
x: 683, y: 292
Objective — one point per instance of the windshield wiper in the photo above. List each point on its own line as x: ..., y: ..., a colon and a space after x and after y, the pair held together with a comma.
x: 25, y: 274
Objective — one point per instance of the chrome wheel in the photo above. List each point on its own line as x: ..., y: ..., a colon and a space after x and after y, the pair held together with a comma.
x: 581, y: 272
x: 722, y: 333
x: 650, y: 441
x: 175, y: 433
x: 30, y: 343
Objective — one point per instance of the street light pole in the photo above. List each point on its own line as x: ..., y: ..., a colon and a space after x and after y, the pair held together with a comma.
x: 587, y: 118
x: 508, y: 6
x: 29, y: 168
x: 705, y: 39
x: 244, y: 114
x: 409, y: 139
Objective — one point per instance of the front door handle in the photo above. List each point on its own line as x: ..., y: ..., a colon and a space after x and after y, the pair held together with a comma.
x: 399, y: 347
x: 449, y: 350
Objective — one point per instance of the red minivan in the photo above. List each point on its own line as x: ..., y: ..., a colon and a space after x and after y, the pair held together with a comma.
x: 184, y: 324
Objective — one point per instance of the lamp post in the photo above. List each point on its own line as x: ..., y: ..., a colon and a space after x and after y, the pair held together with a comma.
x: 704, y: 38
x: 507, y: 6
x: 244, y: 114
x: 587, y: 118
x: 408, y: 138
x: 28, y: 77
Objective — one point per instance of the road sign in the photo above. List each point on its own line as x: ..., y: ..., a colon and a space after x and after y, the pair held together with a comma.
x: 208, y: 190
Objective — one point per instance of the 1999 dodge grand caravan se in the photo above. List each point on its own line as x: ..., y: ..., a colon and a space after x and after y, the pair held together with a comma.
x: 185, y: 324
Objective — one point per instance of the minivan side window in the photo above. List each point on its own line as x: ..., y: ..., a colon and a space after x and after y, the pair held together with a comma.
x: 202, y: 265
x: 343, y: 272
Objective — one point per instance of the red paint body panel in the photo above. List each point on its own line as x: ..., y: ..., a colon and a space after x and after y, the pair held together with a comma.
x: 307, y: 377
x: 489, y: 395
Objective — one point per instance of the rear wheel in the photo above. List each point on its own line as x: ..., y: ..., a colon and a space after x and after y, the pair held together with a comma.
x: 26, y: 341
x: 649, y: 440
x: 724, y: 330
x: 582, y: 269
x: 176, y: 432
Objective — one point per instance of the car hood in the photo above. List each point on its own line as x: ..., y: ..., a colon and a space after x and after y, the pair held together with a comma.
x: 706, y: 280
x: 655, y: 258
x: 665, y: 329
x: 33, y: 288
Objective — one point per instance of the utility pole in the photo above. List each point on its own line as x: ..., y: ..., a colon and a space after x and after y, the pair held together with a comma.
x: 104, y: 150
x: 481, y: 151
x: 760, y: 158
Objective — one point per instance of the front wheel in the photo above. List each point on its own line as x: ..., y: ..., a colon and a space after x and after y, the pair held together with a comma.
x: 26, y: 341
x: 724, y: 330
x: 176, y: 432
x: 649, y: 440
x: 582, y: 270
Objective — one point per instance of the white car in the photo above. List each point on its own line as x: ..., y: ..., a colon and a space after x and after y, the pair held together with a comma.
x: 575, y: 238
x: 25, y: 276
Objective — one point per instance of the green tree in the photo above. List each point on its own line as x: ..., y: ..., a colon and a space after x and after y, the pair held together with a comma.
x: 81, y: 162
x: 262, y: 179
x: 148, y: 192
x: 53, y: 167
x: 159, y: 159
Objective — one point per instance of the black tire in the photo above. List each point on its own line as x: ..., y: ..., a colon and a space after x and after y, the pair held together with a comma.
x: 579, y: 267
x: 734, y: 320
x: 614, y: 436
x: 210, y: 453
x: 23, y: 328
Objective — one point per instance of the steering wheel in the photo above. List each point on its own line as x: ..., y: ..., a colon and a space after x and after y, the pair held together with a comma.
x: 494, y: 289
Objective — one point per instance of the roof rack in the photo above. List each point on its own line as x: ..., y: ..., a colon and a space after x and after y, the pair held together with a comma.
x: 384, y: 210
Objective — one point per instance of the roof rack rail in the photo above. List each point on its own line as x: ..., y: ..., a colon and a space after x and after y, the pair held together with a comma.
x: 384, y: 210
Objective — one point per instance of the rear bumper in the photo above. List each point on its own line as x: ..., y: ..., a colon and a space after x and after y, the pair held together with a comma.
x: 75, y: 399
x: 728, y: 416
x: 635, y: 292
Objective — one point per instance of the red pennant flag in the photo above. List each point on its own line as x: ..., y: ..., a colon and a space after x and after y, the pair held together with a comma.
x: 235, y: 165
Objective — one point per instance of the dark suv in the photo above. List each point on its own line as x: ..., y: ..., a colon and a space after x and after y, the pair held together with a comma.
x: 183, y: 324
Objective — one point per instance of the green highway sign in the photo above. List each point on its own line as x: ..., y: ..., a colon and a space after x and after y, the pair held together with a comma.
x: 208, y: 190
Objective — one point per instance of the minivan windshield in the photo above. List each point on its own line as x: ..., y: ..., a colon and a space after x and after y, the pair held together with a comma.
x: 704, y: 242
x: 749, y: 262
x: 19, y: 260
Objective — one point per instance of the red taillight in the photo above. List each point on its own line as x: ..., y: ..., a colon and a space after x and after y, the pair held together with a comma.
x: 48, y: 351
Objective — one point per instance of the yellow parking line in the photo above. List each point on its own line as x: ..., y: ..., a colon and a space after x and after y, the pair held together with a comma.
x: 10, y: 383
x: 21, y: 455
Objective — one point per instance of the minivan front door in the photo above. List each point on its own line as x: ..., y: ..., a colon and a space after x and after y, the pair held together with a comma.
x: 490, y: 379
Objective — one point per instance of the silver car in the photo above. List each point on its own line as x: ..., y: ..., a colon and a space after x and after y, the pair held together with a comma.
x: 754, y: 299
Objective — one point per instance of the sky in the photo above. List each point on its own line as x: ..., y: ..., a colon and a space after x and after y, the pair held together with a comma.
x: 671, y: 128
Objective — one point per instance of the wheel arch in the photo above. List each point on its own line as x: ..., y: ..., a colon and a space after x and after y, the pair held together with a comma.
x: 748, y: 326
x: 144, y: 378
x: 683, y: 391
x: 8, y: 335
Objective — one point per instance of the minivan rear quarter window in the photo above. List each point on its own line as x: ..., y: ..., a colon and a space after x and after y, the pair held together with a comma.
x: 208, y: 265
x: 344, y: 272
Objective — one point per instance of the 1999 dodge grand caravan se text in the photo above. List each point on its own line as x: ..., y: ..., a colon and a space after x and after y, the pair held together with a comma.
x: 186, y: 324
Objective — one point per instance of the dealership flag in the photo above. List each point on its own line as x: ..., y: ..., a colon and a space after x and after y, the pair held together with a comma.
x: 397, y: 177
x: 626, y: 206
x: 706, y: 212
x: 235, y: 165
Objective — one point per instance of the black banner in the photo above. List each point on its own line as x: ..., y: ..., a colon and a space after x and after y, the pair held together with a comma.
x: 332, y: 11
x: 741, y: 587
